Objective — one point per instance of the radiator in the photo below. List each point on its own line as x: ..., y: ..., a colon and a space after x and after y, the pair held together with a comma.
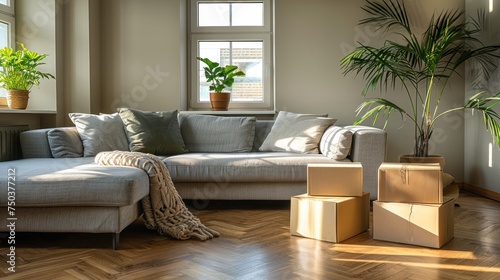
x: 10, y: 144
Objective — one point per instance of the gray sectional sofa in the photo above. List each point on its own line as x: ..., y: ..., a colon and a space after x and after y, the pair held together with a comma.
x: 71, y: 193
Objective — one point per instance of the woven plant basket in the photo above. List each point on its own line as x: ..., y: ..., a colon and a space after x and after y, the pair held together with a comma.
x: 17, y: 99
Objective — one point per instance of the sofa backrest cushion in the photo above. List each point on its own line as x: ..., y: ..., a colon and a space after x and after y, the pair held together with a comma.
x: 65, y: 142
x: 100, y: 133
x: 262, y: 129
x: 336, y: 142
x: 153, y: 132
x: 205, y: 133
x: 299, y: 133
x: 34, y: 143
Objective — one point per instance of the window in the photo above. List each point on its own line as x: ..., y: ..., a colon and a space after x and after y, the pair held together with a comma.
x: 233, y: 33
x: 6, y: 28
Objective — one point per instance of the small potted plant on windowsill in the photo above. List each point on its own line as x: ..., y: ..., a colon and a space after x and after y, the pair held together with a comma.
x: 220, y: 78
x: 19, y: 73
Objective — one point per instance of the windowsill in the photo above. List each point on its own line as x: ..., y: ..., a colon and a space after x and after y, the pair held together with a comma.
x: 230, y: 112
x: 7, y: 110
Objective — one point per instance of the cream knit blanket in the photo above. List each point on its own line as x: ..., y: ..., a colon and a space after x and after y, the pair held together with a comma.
x: 164, y: 210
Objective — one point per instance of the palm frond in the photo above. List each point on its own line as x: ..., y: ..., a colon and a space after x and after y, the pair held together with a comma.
x: 386, y: 15
x: 491, y: 121
x: 383, y: 66
x: 486, y: 103
x: 376, y: 107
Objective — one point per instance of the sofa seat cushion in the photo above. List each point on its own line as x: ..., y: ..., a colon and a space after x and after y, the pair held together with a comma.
x: 242, y: 167
x: 73, y: 182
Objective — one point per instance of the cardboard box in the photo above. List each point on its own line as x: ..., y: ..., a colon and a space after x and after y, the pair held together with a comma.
x: 410, y: 183
x: 331, y: 219
x: 335, y: 179
x: 428, y: 225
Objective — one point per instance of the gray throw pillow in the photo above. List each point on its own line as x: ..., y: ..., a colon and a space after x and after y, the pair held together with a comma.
x: 205, y: 133
x: 65, y: 142
x: 336, y: 142
x: 299, y: 133
x: 153, y: 132
x: 100, y: 132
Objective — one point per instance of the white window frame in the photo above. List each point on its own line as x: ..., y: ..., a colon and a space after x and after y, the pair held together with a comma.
x: 7, y: 15
x: 235, y: 34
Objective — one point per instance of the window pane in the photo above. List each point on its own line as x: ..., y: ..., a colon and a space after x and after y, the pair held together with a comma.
x: 248, y: 57
x: 213, y: 14
x: 212, y: 51
x: 4, y: 34
x: 247, y: 14
x: 230, y: 14
x: 4, y: 42
x: 5, y: 2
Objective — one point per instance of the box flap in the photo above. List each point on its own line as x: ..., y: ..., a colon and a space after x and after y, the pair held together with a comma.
x: 336, y: 164
x: 410, y: 166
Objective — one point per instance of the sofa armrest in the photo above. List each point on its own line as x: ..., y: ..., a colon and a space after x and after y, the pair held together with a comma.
x: 369, y: 145
x: 34, y: 144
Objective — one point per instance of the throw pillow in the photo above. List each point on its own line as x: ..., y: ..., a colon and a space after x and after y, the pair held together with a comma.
x: 65, y: 142
x: 298, y: 133
x: 204, y: 133
x: 100, y: 132
x: 153, y: 132
x: 336, y: 142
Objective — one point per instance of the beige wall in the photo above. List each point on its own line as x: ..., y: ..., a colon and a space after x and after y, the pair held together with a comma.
x: 482, y: 163
x: 141, y: 54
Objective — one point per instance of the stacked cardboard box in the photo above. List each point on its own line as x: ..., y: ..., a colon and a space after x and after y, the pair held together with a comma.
x: 335, y: 207
x: 411, y: 208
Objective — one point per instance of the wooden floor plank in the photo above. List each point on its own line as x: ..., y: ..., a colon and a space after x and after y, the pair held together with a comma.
x: 255, y: 244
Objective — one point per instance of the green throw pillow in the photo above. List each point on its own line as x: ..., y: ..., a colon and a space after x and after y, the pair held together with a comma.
x: 153, y: 132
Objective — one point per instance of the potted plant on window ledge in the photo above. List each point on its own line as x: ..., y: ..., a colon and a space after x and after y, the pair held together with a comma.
x: 19, y: 73
x: 422, y: 65
x: 220, y: 78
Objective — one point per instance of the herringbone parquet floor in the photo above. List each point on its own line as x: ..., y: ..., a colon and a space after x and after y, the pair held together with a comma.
x: 255, y: 244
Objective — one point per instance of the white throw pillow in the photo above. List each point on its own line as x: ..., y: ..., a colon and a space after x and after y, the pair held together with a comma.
x: 336, y: 142
x: 299, y: 133
x: 100, y: 133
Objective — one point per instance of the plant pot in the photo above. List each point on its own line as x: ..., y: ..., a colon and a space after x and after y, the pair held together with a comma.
x: 429, y: 159
x: 17, y: 99
x: 220, y: 100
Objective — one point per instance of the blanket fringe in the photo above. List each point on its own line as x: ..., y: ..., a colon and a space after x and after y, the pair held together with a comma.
x: 164, y: 210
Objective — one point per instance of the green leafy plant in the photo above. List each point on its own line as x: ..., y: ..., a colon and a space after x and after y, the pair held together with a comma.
x: 219, y: 76
x: 19, y: 68
x: 422, y: 64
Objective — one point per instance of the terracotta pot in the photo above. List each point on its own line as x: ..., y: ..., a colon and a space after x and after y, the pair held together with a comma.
x: 429, y: 159
x: 220, y: 100
x: 17, y: 99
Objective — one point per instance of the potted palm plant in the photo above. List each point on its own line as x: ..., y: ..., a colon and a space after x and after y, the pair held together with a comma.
x: 19, y: 73
x: 422, y: 65
x: 220, y: 78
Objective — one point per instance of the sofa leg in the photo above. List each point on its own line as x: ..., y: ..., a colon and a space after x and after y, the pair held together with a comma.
x: 116, y: 241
